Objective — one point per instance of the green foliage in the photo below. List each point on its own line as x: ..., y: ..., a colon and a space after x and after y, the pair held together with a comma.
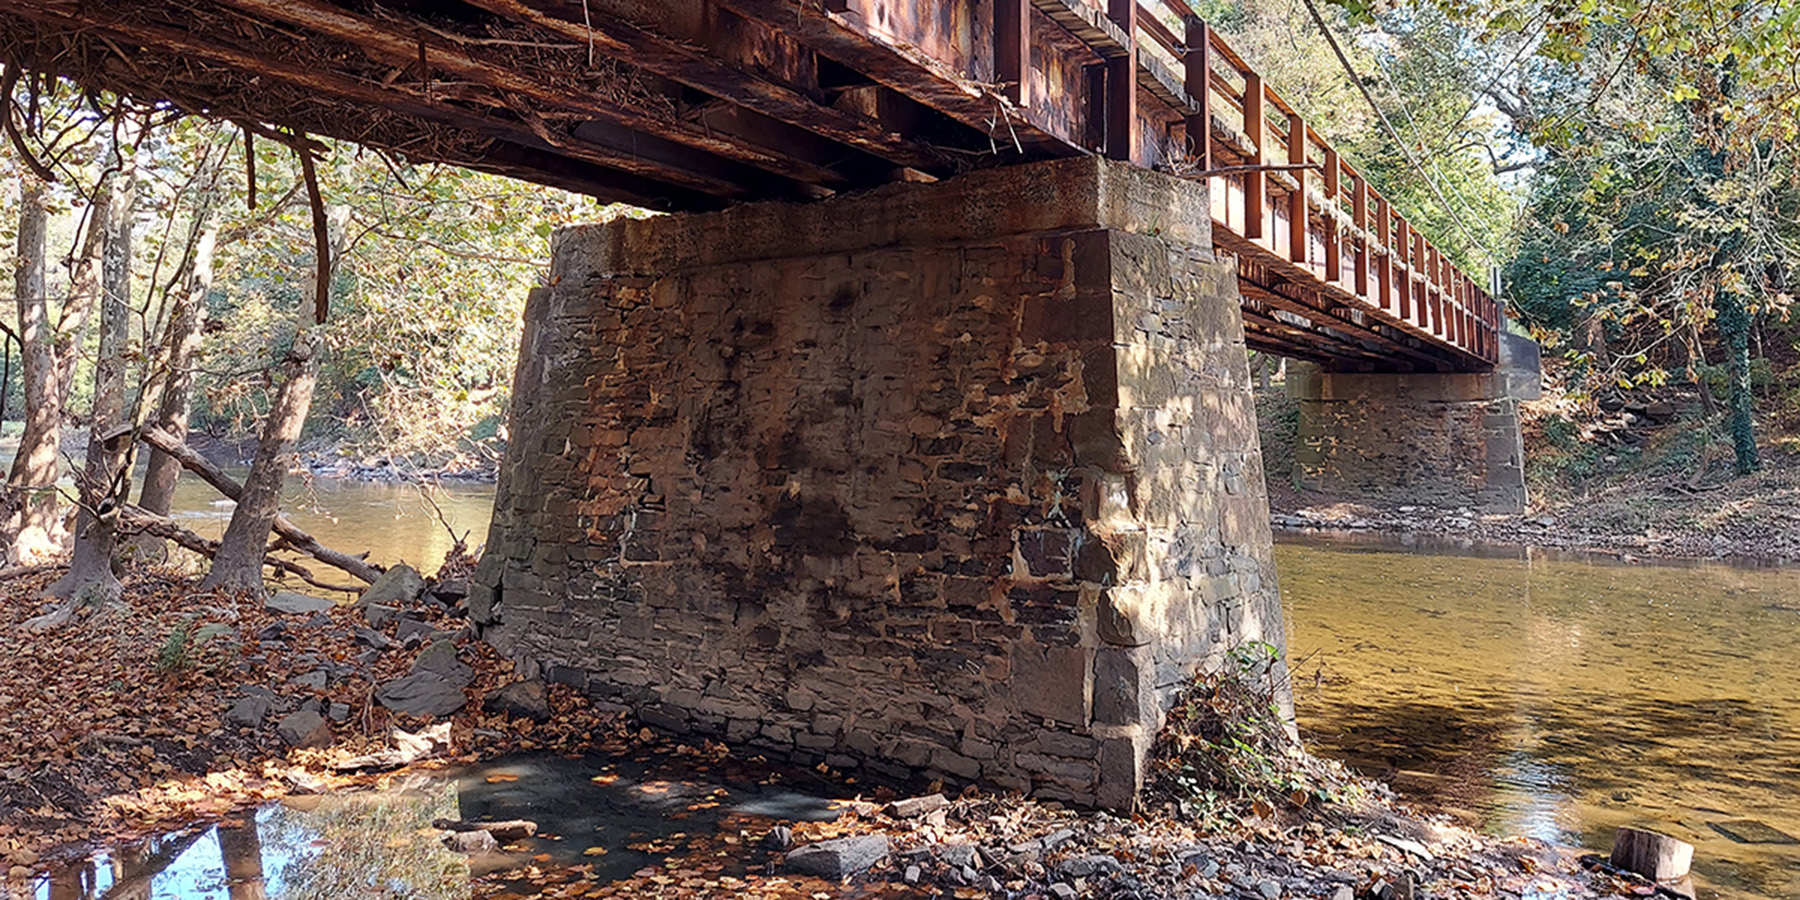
x: 188, y: 646
x: 1227, y: 751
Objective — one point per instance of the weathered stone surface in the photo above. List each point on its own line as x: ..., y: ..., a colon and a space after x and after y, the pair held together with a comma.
x: 248, y: 712
x: 861, y: 495
x: 380, y: 614
x: 838, y: 858
x: 297, y: 604
x: 434, y: 687
x: 525, y: 699
x: 422, y: 694
x: 396, y: 587
x: 1428, y: 439
x: 304, y: 728
x: 913, y: 807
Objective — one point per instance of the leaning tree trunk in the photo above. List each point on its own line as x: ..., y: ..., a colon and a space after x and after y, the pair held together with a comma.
x: 30, y: 484
x: 241, y: 848
x: 181, y: 343
x: 239, y: 563
x: 1734, y: 326
x: 106, y: 478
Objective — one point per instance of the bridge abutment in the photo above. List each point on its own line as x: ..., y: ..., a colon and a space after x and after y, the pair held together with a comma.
x: 957, y: 480
x: 1431, y: 439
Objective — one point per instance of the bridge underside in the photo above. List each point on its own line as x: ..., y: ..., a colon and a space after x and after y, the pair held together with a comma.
x: 688, y: 105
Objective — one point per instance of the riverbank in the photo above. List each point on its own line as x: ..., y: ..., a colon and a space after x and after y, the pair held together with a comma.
x: 183, y: 707
x: 1644, y: 477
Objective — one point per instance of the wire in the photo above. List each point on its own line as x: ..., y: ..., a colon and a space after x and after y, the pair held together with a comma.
x: 1394, y: 133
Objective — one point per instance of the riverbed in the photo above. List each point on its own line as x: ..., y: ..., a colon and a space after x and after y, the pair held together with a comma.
x: 1559, y: 696
x: 1527, y: 692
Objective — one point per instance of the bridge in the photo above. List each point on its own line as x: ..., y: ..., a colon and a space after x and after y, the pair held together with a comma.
x: 693, y: 105
x: 920, y: 442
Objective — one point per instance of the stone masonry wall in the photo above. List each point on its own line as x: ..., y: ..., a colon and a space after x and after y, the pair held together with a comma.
x: 942, y: 481
x: 1442, y: 440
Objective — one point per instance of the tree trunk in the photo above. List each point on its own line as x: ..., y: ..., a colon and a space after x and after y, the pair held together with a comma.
x: 1734, y: 327
x: 239, y: 564
x: 30, y: 496
x: 181, y: 343
x: 105, y: 482
x: 241, y: 848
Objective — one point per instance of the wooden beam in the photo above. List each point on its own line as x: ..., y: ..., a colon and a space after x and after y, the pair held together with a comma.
x: 1256, y: 127
x: 1012, y: 49
x: 698, y: 69
x: 681, y: 186
x: 1359, y: 217
x: 1121, y: 85
x: 386, y: 43
x: 1299, y: 219
x: 905, y: 69
x: 1197, y: 64
x: 1334, y: 252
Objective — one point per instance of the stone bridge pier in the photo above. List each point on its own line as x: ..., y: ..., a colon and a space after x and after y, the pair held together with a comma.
x: 955, y: 480
x: 1443, y: 440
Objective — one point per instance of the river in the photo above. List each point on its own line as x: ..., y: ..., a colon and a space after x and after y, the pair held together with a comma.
x: 1525, y: 692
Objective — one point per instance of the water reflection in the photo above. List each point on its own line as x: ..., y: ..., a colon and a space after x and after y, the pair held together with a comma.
x: 1561, y: 697
x: 617, y: 817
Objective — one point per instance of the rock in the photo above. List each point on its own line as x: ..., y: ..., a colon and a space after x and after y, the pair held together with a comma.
x: 449, y: 591
x: 316, y: 680
x: 396, y: 587
x: 248, y: 712
x: 1062, y: 891
x: 914, y: 807
x: 369, y: 637
x: 838, y: 858
x: 304, y: 728
x: 913, y: 874
x: 956, y: 855
x: 440, y: 659
x: 291, y: 603
x: 422, y: 694
x: 274, y: 631
x: 505, y: 831
x: 304, y: 782
x: 1413, y: 847
x: 338, y: 712
x: 1343, y: 892
x: 1269, y: 888
x: 380, y: 614
x: 471, y: 842
x: 780, y: 837
x: 409, y: 627
x: 521, y: 699
x: 1086, y: 866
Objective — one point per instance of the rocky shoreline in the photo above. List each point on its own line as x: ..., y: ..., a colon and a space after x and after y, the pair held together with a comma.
x: 1466, y: 528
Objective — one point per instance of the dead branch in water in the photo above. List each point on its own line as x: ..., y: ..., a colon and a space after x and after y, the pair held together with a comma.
x: 137, y: 520
x: 299, y: 540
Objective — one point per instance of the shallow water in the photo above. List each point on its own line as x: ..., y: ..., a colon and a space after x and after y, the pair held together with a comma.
x: 1562, y: 697
x: 381, y: 843
x: 394, y: 522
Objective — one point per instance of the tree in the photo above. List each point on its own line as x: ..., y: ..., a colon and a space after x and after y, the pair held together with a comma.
x: 239, y: 563
x: 105, y: 480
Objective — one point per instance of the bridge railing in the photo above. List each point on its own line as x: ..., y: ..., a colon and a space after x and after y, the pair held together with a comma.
x: 1280, y: 188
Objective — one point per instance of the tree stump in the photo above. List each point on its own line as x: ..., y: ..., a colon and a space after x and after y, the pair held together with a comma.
x: 1654, y: 856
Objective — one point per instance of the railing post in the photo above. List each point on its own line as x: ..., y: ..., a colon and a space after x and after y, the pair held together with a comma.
x: 1334, y: 252
x: 1121, y: 85
x: 1256, y: 126
x: 1299, y: 222
x: 1403, y: 269
x: 1384, y: 235
x: 1197, y: 67
x: 1359, y: 217
x: 1012, y: 49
